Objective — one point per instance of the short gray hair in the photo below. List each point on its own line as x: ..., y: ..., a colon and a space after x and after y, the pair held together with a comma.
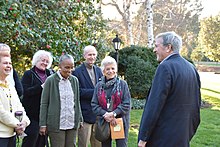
x: 64, y: 57
x: 85, y: 50
x: 37, y: 57
x: 4, y: 47
x: 171, y: 38
x: 106, y: 61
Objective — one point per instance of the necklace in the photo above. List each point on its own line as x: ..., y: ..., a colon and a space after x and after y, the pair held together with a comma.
x: 8, y: 94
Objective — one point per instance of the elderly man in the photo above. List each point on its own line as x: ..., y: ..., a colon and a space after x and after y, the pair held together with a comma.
x: 172, y: 111
x: 88, y: 75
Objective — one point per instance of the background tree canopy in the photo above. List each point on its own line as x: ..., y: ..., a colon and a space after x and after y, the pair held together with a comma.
x: 209, y: 37
x: 53, y: 25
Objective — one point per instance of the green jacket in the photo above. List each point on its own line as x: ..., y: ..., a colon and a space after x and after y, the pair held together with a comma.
x: 50, y: 103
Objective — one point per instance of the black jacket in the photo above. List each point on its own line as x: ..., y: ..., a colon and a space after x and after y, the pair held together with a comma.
x: 32, y: 93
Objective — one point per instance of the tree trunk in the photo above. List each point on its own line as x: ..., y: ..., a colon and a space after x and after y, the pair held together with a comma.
x: 150, y: 33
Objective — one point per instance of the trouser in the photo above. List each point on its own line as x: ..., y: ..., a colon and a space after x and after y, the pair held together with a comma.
x: 86, y: 135
x: 33, y: 139
x: 63, y: 138
x: 119, y: 143
x: 8, y: 142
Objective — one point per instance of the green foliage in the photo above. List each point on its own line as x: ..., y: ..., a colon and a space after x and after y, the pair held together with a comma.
x: 137, y: 103
x: 137, y: 65
x: 54, y: 25
x: 209, y: 37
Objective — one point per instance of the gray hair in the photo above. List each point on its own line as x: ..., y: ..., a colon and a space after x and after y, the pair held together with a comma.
x: 64, y: 57
x: 87, y: 48
x: 37, y: 57
x: 4, y: 47
x: 106, y: 61
x: 171, y: 38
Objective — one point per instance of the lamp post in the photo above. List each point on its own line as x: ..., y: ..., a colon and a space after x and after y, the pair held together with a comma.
x: 94, y: 42
x: 116, y: 43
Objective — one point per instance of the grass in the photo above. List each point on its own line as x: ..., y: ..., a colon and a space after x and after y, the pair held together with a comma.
x: 208, y: 133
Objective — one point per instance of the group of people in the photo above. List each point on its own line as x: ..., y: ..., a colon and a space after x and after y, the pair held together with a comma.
x: 66, y: 103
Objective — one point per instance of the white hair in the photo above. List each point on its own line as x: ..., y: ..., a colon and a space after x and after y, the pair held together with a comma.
x: 106, y: 61
x: 37, y: 57
x: 88, y: 48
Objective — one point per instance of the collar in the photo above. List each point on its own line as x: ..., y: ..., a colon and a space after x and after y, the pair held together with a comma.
x: 4, y: 84
x: 168, y: 57
x: 88, y: 66
x: 61, y: 77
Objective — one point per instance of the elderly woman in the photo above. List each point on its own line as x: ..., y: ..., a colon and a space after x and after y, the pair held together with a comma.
x: 111, y: 99
x: 33, y: 81
x: 60, y: 111
x: 13, y: 78
x: 9, y: 105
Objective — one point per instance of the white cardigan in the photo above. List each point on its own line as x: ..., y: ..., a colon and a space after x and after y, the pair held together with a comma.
x: 7, y: 119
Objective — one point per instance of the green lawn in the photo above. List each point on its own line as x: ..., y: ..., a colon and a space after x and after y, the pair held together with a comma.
x: 208, y: 133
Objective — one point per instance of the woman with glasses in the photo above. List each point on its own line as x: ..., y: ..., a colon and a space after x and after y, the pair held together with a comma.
x: 33, y: 84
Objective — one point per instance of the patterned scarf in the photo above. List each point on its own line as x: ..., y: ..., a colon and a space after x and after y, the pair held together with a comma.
x: 116, y: 93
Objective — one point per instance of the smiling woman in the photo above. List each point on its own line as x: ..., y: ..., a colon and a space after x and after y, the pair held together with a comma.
x: 9, y: 104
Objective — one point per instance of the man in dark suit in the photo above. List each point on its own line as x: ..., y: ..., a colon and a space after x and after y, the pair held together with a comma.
x: 88, y: 75
x: 172, y: 111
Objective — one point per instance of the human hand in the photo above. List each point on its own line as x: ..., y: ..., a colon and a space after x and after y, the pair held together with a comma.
x: 43, y: 130
x: 113, y: 122
x: 42, y: 85
x: 81, y: 125
x: 19, y: 129
x: 108, y: 116
x: 141, y: 143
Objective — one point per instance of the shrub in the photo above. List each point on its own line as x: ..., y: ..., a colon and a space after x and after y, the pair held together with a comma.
x: 137, y: 66
x: 137, y: 103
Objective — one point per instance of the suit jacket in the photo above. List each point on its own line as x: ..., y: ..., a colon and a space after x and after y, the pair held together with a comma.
x: 172, y: 111
x: 86, y: 91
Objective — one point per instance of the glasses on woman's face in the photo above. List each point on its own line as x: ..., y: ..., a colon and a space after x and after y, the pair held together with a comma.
x: 45, y: 61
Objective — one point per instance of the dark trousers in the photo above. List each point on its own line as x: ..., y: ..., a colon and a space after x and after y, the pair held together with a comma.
x: 8, y: 142
x: 119, y: 143
x: 33, y: 139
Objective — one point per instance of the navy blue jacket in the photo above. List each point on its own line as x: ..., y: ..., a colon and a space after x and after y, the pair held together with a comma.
x: 86, y: 91
x: 172, y: 112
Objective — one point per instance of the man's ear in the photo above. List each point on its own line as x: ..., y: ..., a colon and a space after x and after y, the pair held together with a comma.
x: 169, y: 48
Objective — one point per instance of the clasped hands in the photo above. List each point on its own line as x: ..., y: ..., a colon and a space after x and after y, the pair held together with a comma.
x: 109, y: 117
x: 20, y: 128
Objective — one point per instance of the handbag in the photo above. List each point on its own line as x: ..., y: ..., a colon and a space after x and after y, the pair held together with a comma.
x: 102, y: 129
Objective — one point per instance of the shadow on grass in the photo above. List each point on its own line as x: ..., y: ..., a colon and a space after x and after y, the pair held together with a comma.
x: 217, y: 92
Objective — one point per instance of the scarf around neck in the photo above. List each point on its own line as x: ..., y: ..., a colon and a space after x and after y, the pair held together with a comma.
x: 115, y: 94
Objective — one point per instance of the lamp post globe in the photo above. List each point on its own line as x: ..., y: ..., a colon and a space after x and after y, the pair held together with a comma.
x: 116, y: 43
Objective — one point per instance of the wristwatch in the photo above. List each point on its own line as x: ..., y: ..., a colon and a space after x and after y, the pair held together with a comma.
x: 114, y: 114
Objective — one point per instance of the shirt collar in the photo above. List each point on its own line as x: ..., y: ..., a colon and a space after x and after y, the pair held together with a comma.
x: 60, y: 76
x: 168, y: 57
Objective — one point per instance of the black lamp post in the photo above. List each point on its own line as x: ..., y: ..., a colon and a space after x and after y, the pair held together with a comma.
x: 94, y: 42
x: 116, y: 43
